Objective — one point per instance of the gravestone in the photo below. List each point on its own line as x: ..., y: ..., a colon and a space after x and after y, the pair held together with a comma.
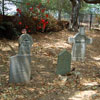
x: 79, y: 41
x: 20, y: 69
x: 25, y: 44
x: 64, y: 63
x: 20, y: 64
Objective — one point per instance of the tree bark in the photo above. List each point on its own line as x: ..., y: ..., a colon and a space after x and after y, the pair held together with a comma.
x: 3, y: 9
x: 3, y: 12
x: 92, y: 1
x: 75, y: 14
x: 59, y: 4
x: 59, y: 15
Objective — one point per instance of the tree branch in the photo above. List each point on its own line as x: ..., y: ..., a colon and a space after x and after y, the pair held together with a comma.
x: 92, y: 1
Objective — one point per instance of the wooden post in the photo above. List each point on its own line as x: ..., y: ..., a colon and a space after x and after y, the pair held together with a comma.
x: 90, y: 21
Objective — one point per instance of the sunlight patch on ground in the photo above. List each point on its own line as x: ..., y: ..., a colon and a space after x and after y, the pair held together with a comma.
x: 1, y: 65
x: 41, y: 66
x: 94, y: 35
x: 96, y: 58
x: 31, y: 89
x: 83, y: 95
x: 98, y: 63
x: 13, y: 44
x: 45, y: 73
x: 90, y: 84
x: 8, y: 46
x: 6, y: 49
x: 59, y: 44
x: 62, y: 45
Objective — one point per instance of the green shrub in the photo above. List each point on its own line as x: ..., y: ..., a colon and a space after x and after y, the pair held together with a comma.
x: 8, y: 31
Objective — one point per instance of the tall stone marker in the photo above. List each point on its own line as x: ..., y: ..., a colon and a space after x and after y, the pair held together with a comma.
x: 79, y: 41
x: 64, y: 63
x: 20, y: 64
x: 25, y: 44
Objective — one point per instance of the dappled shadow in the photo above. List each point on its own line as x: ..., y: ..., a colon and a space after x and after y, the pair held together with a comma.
x: 44, y: 83
x: 87, y: 92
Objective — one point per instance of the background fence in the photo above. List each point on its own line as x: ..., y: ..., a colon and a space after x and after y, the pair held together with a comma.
x: 90, y: 21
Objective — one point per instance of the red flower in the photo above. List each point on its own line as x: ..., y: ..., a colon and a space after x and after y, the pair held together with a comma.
x: 26, y: 27
x: 43, y: 20
x: 29, y: 30
x: 38, y: 7
x: 39, y: 27
x: 27, y: 3
x: 20, y: 23
x: 47, y: 22
x: 18, y: 10
x: 31, y: 8
x: 43, y: 10
x: 46, y: 15
x: 44, y: 25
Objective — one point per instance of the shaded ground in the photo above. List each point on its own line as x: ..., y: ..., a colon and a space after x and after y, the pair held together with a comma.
x: 81, y: 84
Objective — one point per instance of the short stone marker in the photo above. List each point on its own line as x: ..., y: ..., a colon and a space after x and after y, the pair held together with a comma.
x: 25, y: 44
x: 64, y: 63
x: 20, y: 64
x: 80, y: 40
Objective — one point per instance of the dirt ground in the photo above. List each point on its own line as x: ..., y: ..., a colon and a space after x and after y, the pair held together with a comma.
x: 83, y: 83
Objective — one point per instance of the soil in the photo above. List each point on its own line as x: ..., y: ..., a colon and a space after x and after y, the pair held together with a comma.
x: 82, y: 83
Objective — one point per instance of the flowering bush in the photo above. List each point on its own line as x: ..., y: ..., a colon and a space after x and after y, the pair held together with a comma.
x: 34, y: 18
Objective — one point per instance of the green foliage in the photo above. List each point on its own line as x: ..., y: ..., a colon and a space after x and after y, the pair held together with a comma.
x: 63, y: 5
x: 90, y: 8
x: 31, y: 16
x: 8, y: 31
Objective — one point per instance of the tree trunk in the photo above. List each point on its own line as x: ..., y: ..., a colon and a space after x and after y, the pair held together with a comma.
x: 3, y: 12
x: 59, y: 15
x: 92, y: 1
x: 59, y: 4
x: 75, y: 14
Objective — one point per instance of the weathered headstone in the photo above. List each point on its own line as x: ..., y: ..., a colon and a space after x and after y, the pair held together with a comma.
x: 80, y: 40
x: 25, y: 44
x: 20, y: 69
x: 64, y: 63
x: 20, y: 64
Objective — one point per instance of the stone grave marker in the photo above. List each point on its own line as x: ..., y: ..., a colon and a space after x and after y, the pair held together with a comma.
x: 79, y: 41
x: 25, y: 44
x: 20, y: 64
x: 20, y: 69
x: 64, y: 63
